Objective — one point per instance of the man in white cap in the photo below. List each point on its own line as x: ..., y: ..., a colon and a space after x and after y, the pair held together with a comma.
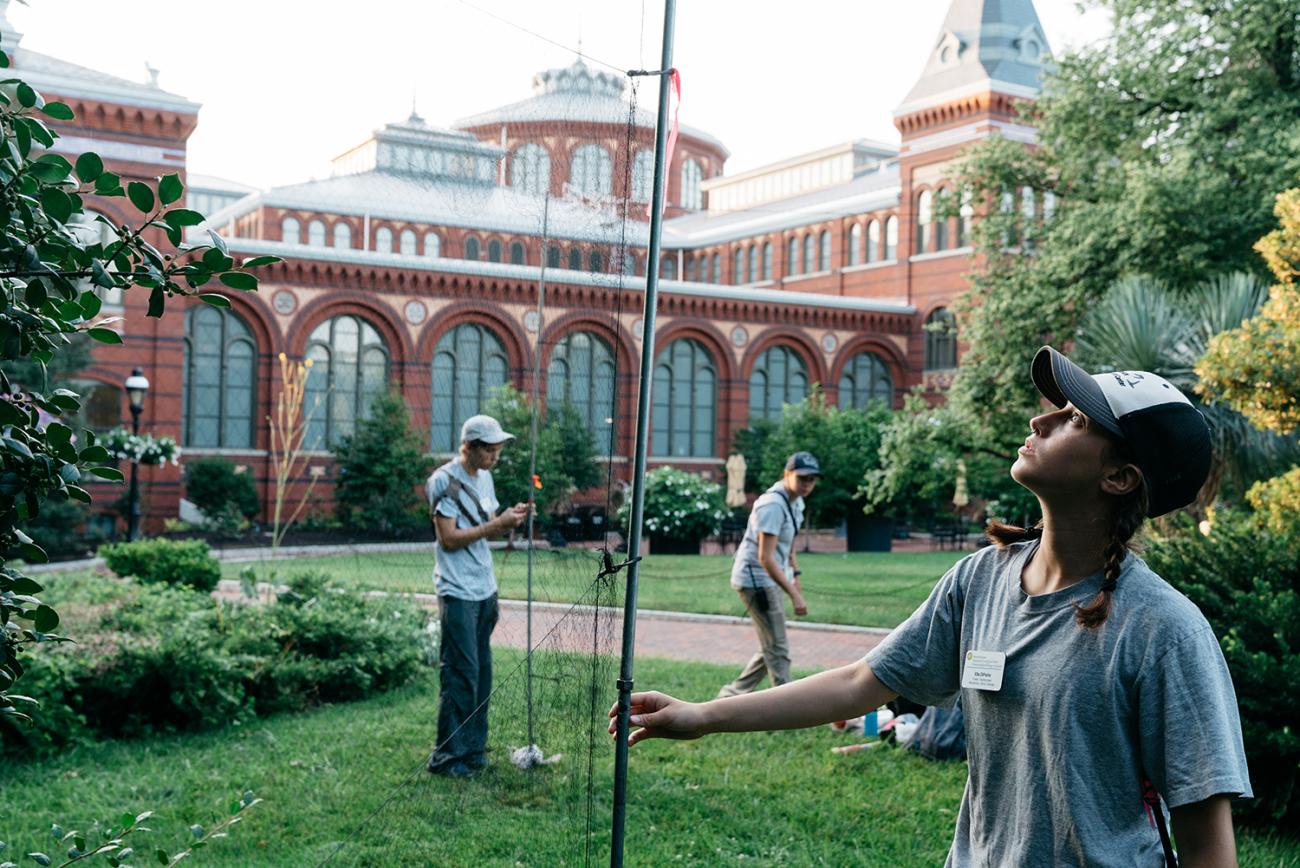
x: 463, y: 508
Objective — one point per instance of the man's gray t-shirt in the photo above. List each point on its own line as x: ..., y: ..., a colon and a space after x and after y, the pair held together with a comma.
x: 774, y: 512
x: 465, y: 573
x: 1057, y: 756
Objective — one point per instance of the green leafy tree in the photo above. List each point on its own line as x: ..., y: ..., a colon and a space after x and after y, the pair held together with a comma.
x: 751, y: 443
x: 381, y: 471
x: 49, y: 272
x: 1162, y: 145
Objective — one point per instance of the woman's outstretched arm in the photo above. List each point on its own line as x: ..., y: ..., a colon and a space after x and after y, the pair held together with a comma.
x: 837, y: 694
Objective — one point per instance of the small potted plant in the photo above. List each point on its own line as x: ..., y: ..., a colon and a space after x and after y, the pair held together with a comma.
x: 681, y: 509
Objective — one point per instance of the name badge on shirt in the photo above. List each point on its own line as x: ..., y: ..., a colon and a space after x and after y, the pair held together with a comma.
x: 486, y: 504
x: 983, y: 670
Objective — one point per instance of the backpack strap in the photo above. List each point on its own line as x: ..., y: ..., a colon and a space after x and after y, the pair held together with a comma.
x: 1151, y: 800
x: 453, y: 492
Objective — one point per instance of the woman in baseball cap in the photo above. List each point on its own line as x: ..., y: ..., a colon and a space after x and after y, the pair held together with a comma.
x: 1088, y: 684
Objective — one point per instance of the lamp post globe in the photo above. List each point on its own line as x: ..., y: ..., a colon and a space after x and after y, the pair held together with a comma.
x: 136, y: 387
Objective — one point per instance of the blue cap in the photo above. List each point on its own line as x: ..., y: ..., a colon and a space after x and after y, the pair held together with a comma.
x: 803, y: 464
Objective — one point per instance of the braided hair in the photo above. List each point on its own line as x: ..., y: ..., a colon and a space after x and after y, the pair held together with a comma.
x: 1130, y: 513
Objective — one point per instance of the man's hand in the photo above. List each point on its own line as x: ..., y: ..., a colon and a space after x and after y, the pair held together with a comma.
x: 514, y: 516
x: 660, y: 716
x: 800, y: 607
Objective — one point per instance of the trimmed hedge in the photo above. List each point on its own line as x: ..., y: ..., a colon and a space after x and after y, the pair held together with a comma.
x: 162, y: 561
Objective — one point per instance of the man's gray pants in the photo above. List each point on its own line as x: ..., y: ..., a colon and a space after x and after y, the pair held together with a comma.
x: 465, y: 669
x: 766, y: 606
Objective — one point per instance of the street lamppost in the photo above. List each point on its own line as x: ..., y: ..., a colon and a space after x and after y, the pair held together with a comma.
x: 136, y: 386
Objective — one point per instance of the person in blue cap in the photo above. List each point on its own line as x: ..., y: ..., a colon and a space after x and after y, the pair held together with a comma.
x: 463, y: 508
x: 765, y: 571
x: 1091, y: 688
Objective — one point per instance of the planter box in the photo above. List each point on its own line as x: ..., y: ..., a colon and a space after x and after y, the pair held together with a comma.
x: 870, y: 533
x: 667, y: 545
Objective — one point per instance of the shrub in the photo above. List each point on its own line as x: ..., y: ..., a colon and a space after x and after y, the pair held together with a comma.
x: 1246, y: 580
x: 679, y: 505
x: 61, y: 529
x: 173, y: 562
x: 214, y: 486
x: 382, y: 469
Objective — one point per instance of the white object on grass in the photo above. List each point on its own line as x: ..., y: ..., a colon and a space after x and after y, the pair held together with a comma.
x: 530, y: 756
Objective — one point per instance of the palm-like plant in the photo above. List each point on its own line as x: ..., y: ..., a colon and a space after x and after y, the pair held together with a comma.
x: 1143, y: 325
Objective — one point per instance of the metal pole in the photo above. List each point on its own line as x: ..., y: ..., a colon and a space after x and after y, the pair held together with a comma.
x: 642, y: 444
x: 133, y: 520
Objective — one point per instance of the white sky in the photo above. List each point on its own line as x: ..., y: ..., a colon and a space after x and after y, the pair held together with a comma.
x: 287, y: 84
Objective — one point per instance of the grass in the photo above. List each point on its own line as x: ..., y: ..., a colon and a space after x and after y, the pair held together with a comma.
x: 351, y: 774
x: 866, y: 589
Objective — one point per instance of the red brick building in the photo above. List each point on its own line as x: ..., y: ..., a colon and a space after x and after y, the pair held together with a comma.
x: 417, y: 265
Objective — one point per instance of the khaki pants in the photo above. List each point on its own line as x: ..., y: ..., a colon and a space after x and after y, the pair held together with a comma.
x: 766, y: 607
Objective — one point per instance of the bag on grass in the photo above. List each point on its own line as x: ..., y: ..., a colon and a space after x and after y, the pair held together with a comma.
x: 941, y: 734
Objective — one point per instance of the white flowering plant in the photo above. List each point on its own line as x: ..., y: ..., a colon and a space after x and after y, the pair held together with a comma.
x: 140, y: 448
x: 679, y: 505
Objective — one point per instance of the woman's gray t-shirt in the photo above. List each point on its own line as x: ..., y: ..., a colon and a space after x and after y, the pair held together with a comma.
x: 464, y: 573
x: 1057, y: 755
x: 774, y: 512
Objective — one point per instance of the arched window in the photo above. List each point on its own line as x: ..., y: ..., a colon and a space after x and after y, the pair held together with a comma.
x: 591, y: 174
x: 629, y: 263
x: 316, y: 233
x: 516, y: 253
x: 667, y: 267
x: 349, y: 368
x: 471, y: 248
x: 595, y: 262
x: 964, y: 216
x: 219, y: 369
x: 738, y: 266
x: 101, y: 408
x: 530, y: 170
x: 940, y: 340
x: 891, y: 238
x: 779, y: 378
x: 468, y: 363
x: 924, y: 219
x: 753, y: 263
x: 1049, y: 205
x: 342, y: 235
x: 809, y: 253
x: 643, y: 175
x: 824, y: 251
x: 865, y: 378
x: 1028, y: 210
x: 689, y: 268
x: 692, y: 196
x: 575, y: 259
x: 792, y: 256
x: 716, y: 270
x: 406, y: 243
x: 581, y: 373
x: 432, y: 245
x: 767, y: 260
x: 494, y: 250
x: 855, y: 244
x: 384, y: 240
x: 552, y: 256
x: 941, y: 230
x: 290, y: 231
x: 873, y: 241
x: 685, y: 401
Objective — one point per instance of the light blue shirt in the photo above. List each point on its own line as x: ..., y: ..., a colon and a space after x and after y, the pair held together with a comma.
x: 464, y: 573
x: 769, y: 515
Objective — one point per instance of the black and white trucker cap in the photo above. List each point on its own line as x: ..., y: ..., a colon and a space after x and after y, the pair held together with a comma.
x: 1169, y: 437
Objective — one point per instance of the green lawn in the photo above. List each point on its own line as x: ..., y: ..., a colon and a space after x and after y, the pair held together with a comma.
x: 872, y: 590
x: 328, y: 777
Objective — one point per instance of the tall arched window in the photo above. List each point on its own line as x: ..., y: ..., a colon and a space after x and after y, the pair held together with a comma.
x: 873, y: 241
x: 779, y: 378
x: 219, y: 389
x: 629, y: 263
x: 692, y: 196
x: 530, y: 169
x: 685, y: 401
x: 384, y: 240
x: 824, y: 251
x: 575, y: 259
x: 855, y: 244
x: 964, y: 217
x: 494, y: 250
x: 471, y: 248
x: 595, y: 262
x: 290, y: 231
x: 643, y: 175
x: 552, y: 256
x: 767, y: 260
x: 865, y: 378
x: 891, y: 238
x: 432, y: 245
x: 924, y: 219
x: 1028, y: 211
x: 468, y: 363
x: 406, y: 243
x: 738, y: 266
x: 809, y: 253
x: 349, y: 368
x: 792, y: 256
x: 101, y: 408
x: 581, y: 373
x: 716, y: 270
x: 667, y: 267
x: 316, y: 233
x: 754, y: 274
x: 689, y: 270
x: 940, y: 340
x: 941, y: 231
x: 342, y: 235
x: 516, y: 253
x: 591, y: 174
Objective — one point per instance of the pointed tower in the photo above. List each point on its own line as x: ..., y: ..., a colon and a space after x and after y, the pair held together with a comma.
x: 988, y: 55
